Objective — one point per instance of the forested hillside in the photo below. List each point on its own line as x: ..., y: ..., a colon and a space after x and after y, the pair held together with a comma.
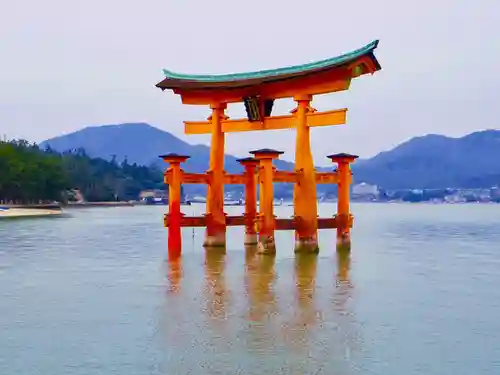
x: 29, y: 174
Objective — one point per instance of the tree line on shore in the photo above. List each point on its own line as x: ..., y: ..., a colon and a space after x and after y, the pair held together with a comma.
x: 31, y: 175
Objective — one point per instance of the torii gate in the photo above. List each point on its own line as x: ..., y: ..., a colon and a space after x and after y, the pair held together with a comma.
x: 258, y: 90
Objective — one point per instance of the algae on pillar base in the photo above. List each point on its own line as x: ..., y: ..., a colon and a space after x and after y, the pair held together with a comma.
x: 215, y: 235
x: 306, y: 245
x: 344, y: 224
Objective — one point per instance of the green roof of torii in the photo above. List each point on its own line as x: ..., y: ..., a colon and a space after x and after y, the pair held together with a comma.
x: 175, y: 79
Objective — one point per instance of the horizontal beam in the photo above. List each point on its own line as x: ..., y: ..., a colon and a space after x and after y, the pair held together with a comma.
x: 313, y: 84
x: 327, y: 178
x: 232, y: 221
x: 234, y: 179
x: 187, y: 221
x: 283, y: 176
x: 194, y: 178
x: 201, y: 221
x: 188, y: 178
x: 240, y: 179
x: 269, y: 123
x: 327, y: 118
x: 197, y: 127
x: 279, y: 223
x: 335, y: 117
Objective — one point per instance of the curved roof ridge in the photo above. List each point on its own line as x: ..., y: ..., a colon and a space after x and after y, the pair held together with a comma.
x: 333, y: 61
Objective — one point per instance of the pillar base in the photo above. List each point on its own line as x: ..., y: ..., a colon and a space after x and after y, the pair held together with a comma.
x: 251, y: 239
x: 306, y: 245
x: 344, y: 242
x: 174, y: 254
x: 266, y: 245
x: 218, y: 240
x: 174, y: 240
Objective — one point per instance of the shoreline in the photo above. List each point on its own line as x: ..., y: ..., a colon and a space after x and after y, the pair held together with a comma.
x: 12, y: 213
x: 59, y: 206
x: 99, y: 204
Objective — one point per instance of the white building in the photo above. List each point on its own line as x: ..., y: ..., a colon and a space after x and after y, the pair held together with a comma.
x: 364, y: 189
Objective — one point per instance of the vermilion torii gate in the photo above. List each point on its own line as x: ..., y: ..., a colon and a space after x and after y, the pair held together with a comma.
x: 258, y: 90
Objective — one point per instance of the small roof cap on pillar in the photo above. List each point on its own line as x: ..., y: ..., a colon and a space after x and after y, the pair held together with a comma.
x: 342, y: 156
x: 266, y: 153
x: 173, y: 157
x: 248, y: 160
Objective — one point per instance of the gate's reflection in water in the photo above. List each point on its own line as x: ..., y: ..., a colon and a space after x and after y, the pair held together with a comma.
x: 267, y: 313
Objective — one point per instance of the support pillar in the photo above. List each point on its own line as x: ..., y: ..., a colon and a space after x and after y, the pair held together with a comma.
x: 216, y: 219
x: 266, y: 214
x: 173, y: 177
x: 344, y: 217
x: 250, y: 165
x: 304, y: 194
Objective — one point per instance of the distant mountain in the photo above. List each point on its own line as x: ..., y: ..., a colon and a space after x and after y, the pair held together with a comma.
x: 436, y: 161
x: 142, y: 144
x: 431, y: 161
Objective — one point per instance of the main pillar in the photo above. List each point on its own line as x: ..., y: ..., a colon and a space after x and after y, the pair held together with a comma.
x: 173, y: 177
x: 216, y: 219
x: 266, y: 215
x: 304, y: 194
x: 344, y: 217
x: 250, y: 165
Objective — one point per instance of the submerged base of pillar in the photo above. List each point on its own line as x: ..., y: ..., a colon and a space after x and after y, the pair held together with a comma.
x: 218, y: 240
x: 266, y: 245
x: 344, y: 243
x: 174, y: 253
x: 174, y: 241
x: 307, y: 245
x: 251, y: 239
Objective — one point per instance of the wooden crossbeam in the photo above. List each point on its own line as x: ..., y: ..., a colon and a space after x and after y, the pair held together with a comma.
x: 327, y: 223
x: 327, y: 178
x: 279, y: 224
x: 194, y: 178
x: 235, y: 179
x: 284, y: 176
x: 285, y: 224
x: 188, y: 221
x: 188, y: 178
x: 313, y: 84
x: 335, y: 117
x: 235, y: 220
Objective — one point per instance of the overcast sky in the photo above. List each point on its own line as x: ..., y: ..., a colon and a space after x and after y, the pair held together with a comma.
x: 70, y: 64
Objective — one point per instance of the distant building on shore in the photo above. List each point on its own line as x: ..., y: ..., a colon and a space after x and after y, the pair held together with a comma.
x: 365, y: 191
x: 153, y: 193
x: 154, y: 196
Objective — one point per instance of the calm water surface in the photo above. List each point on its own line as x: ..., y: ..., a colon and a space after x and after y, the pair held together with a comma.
x: 95, y: 294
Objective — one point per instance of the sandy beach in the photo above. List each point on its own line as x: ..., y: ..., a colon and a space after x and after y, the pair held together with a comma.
x: 6, y: 212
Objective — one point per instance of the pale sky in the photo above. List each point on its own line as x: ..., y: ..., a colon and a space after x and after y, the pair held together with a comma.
x: 70, y: 64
